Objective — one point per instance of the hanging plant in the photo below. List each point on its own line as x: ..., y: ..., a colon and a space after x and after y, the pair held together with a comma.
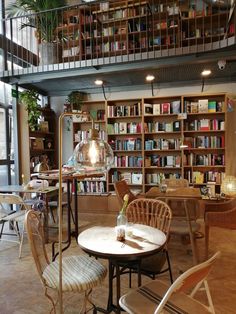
x: 29, y: 98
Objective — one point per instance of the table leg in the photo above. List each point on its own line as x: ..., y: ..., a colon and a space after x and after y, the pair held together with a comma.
x: 46, y: 218
x: 117, y: 287
x: 110, y: 287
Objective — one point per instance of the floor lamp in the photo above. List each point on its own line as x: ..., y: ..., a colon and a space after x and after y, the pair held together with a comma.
x: 92, y: 154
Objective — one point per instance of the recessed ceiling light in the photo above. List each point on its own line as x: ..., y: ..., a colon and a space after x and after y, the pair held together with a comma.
x: 98, y: 82
x: 150, y: 78
x: 206, y: 72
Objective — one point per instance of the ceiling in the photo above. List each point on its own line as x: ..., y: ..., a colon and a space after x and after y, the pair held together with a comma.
x: 180, y: 71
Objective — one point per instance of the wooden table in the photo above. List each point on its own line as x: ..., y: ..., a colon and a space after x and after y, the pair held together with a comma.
x: 101, y: 242
x: 45, y: 192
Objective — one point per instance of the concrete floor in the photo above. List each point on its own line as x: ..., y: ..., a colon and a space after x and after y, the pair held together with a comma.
x: 21, y: 291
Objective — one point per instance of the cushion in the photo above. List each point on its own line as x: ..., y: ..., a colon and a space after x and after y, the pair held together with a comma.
x: 79, y: 273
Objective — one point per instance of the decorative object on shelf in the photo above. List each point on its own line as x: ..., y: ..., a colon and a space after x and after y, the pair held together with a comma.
x: 122, y: 220
x: 75, y: 99
x: 228, y: 186
x: 29, y: 98
x: 43, y: 126
x: 45, y: 24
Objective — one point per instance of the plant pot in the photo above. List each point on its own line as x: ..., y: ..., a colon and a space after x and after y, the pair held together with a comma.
x: 48, y: 53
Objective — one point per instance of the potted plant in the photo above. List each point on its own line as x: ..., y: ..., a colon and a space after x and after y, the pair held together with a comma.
x: 29, y: 98
x: 75, y: 99
x: 45, y: 23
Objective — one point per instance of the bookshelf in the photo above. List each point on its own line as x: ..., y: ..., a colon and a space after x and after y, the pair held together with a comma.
x: 204, y: 134
x: 148, y: 136
x: 81, y: 131
x: 125, y: 135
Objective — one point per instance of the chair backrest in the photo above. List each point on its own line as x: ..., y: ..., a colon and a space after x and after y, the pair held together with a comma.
x: 122, y: 188
x: 188, y: 280
x: 11, y: 199
x: 185, y: 192
x: 154, y: 213
x: 221, y: 219
x: 34, y: 228
x: 183, y: 208
x: 175, y: 183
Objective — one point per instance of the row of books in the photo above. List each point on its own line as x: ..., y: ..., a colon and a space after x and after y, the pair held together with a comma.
x: 129, y: 177
x: 86, y: 134
x: 162, y: 144
x: 156, y: 178
x: 127, y: 144
x: 92, y: 187
x: 163, y: 161
x: 122, y: 13
x: 198, y: 177
x: 124, y: 128
x: 155, y: 126
x: 205, y: 125
x: 203, y: 106
x: 128, y: 161
x: 205, y: 142
x: 204, y: 160
x: 124, y: 110
x: 162, y: 108
x: 98, y: 114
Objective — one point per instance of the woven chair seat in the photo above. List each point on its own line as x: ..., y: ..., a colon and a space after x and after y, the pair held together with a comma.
x: 81, y: 272
x: 145, y: 300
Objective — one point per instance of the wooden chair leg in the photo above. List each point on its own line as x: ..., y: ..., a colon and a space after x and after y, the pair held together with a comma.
x: 206, y: 241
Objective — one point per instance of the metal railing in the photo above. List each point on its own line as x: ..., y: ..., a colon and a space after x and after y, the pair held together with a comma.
x: 110, y: 32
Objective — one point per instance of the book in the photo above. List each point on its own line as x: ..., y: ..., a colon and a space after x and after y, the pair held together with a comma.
x: 203, y: 105
x: 175, y: 106
x: 148, y: 109
x: 194, y: 107
x: 165, y: 108
x: 176, y: 126
x: 212, y: 106
x: 137, y: 178
x: 204, y: 125
x: 156, y: 109
x: 123, y: 128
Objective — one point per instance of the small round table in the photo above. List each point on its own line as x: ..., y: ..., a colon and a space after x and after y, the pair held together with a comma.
x: 101, y: 242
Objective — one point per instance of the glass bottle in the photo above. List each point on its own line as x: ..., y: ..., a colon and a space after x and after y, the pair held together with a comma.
x: 121, y: 226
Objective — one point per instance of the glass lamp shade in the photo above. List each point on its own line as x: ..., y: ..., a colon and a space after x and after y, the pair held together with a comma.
x: 93, y: 155
x: 228, y: 186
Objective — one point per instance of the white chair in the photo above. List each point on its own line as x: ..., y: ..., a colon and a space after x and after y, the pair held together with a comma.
x: 80, y: 273
x: 12, y: 216
x: 156, y: 297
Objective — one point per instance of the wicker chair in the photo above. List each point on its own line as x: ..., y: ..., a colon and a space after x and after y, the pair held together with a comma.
x: 79, y: 273
x: 185, y: 213
x: 156, y: 297
x: 222, y: 215
x: 15, y: 217
x: 156, y: 214
x: 176, y: 183
x: 122, y: 188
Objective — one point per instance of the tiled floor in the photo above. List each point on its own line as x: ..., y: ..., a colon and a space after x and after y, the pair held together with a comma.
x: 21, y: 291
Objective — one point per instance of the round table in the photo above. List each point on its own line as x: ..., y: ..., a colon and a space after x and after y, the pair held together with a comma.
x: 101, y: 242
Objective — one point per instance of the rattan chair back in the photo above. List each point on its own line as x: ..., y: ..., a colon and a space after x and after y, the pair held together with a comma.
x: 154, y: 213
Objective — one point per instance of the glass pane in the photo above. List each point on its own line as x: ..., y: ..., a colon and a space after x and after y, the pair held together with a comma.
x: 13, y: 174
x: 3, y: 151
x: 3, y: 175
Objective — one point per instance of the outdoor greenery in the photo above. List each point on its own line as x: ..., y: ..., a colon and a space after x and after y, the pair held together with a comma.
x: 43, y: 20
x: 29, y: 98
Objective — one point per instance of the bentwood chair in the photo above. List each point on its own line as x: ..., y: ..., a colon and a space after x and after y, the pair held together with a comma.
x: 156, y: 297
x: 221, y: 215
x: 121, y: 189
x: 79, y: 273
x: 156, y: 214
x: 185, y: 223
x: 12, y: 216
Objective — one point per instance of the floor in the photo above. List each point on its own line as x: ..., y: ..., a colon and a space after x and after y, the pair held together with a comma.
x: 21, y: 291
